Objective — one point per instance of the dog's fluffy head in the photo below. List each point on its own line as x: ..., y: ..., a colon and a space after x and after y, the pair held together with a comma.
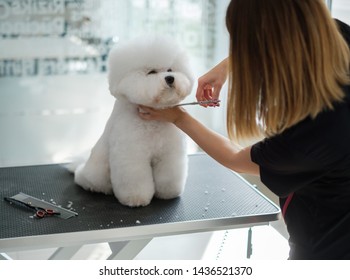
x: 152, y: 71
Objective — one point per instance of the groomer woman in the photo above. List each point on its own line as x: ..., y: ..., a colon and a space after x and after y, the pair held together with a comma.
x: 288, y: 70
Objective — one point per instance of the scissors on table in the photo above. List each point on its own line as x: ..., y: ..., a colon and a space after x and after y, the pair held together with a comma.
x: 39, y: 211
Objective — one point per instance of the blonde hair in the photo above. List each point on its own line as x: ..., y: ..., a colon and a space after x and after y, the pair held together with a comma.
x: 287, y: 61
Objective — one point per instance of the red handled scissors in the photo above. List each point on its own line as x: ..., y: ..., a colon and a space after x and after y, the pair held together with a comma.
x: 39, y: 211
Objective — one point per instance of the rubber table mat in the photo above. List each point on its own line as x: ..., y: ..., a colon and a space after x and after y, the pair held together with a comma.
x: 212, y: 193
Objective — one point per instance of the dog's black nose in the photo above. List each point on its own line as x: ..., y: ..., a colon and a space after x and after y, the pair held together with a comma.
x: 169, y: 80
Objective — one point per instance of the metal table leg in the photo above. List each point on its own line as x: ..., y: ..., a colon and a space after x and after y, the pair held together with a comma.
x: 127, y: 250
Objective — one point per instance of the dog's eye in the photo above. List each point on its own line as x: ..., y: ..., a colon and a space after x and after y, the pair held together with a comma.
x: 170, y: 70
x: 152, y: 72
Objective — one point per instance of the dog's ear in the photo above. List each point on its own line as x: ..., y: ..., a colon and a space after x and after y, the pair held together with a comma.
x: 112, y: 71
x: 112, y: 90
x: 182, y: 64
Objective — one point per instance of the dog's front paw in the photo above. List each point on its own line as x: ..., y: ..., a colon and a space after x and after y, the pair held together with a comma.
x: 169, y: 193
x: 104, y: 189
x: 88, y: 185
x: 135, y: 201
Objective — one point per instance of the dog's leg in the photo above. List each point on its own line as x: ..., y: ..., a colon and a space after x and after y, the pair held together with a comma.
x: 94, y: 175
x: 170, y: 175
x: 132, y: 180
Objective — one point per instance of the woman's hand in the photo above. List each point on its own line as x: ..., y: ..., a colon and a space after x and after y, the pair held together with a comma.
x: 210, y: 84
x: 172, y: 115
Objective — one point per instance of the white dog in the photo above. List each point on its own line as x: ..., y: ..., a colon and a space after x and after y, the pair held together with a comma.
x: 136, y: 159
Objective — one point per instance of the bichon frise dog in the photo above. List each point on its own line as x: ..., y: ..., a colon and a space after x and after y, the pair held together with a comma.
x: 136, y: 159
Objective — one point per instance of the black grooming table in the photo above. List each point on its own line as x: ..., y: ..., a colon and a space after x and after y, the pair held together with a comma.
x: 215, y: 198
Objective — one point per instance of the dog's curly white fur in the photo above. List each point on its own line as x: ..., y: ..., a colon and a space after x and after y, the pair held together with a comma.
x: 136, y: 159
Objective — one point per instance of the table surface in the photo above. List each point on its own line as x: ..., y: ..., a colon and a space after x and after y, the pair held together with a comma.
x: 215, y: 198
